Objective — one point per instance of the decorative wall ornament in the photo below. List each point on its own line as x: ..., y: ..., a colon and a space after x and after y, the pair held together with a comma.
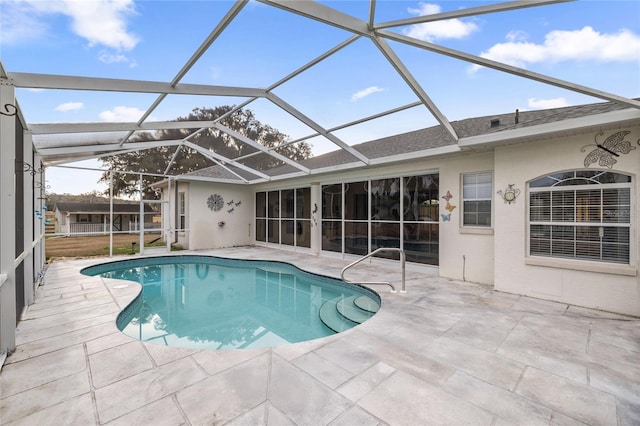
x: 215, y: 202
x: 40, y: 185
x: 605, y: 152
x: 509, y: 194
x: 448, y: 207
x: 28, y: 168
x: 9, y: 110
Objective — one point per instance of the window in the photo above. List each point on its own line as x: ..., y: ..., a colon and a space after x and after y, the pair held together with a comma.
x: 477, y: 189
x: 583, y: 214
x: 284, y: 217
x: 182, y: 218
x: 395, y: 212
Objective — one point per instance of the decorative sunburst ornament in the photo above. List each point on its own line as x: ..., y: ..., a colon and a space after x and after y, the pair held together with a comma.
x: 215, y: 202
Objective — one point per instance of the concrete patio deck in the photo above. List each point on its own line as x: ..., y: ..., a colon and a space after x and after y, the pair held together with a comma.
x: 446, y: 352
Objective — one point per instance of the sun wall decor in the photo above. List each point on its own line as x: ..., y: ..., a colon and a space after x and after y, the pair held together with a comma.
x: 215, y: 202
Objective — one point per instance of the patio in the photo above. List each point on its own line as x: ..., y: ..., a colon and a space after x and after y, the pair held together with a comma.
x: 446, y: 352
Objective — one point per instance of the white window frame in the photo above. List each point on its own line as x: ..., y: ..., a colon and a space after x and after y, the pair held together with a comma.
x: 182, y: 211
x: 467, y: 198
x: 587, y: 264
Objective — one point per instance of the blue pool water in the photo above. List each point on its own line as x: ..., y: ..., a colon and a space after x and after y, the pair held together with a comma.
x: 215, y: 303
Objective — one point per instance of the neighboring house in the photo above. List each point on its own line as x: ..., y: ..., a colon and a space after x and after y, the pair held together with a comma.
x: 538, y: 203
x: 93, y: 218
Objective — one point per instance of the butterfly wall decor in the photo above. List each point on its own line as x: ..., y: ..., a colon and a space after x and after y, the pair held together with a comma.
x: 604, y: 152
x: 446, y: 217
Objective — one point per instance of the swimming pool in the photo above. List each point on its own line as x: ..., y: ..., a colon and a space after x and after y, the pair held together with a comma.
x: 215, y: 303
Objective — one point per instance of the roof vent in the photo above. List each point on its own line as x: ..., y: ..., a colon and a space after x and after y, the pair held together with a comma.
x: 517, y: 116
x: 495, y: 122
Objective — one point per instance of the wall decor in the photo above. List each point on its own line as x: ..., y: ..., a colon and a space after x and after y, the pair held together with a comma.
x: 509, y: 194
x: 28, y: 168
x: 604, y: 152
x: 215, y: 202
x: 448, y: 207
x: 9, y: 110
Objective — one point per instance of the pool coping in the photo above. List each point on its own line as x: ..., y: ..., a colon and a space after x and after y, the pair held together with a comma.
x: 445, y: 352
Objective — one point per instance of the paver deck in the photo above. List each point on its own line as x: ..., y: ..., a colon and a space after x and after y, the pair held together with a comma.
x: 446, y: 352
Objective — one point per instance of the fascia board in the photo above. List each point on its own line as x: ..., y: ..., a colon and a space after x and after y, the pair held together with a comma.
x: 587, y: 123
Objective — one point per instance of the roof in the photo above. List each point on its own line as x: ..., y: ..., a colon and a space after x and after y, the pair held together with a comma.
x: 101, y: 208
x: 425, y: 142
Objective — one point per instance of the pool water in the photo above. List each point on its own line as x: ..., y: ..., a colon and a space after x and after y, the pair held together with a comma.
x: 215, y: 303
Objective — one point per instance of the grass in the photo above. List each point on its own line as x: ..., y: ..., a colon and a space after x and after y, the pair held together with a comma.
x: 98, y: 245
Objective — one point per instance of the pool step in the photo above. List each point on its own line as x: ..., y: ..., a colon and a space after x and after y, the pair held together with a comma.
x: 343, y: 313
x: 367, y: 304
x: 347, y: 308
x: 330, y: 316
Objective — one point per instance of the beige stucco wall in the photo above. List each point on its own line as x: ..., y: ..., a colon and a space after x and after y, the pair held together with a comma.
x: 495, y: 255
x: 476, y: 245
x: 561, y: 280
x: 465, y: 252
x: 237, y: 214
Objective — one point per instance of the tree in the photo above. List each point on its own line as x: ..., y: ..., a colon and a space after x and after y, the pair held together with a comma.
x: 155, y: 160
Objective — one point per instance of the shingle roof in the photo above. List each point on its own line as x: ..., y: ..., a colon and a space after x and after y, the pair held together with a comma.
x: 429, y: 138
x: 101, y: 208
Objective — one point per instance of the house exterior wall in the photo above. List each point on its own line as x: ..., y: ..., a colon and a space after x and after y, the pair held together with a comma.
x: 466, y: 253
x: 170, y: 210
x: 597, y: 285
x: 236, y: 211
x: 476, y: 245
x: 61, y: 222
x: 495, y: 254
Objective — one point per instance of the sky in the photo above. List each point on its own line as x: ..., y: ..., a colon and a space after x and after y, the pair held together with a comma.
x: 592, y: 43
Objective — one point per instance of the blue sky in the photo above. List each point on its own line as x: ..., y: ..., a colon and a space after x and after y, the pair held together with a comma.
x: 593, y: 43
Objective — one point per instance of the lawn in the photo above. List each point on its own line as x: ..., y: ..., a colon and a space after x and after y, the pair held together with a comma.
x: 90, y: 246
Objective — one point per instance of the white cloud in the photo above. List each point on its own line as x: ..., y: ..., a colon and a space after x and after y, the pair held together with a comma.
x: 100, y: 22
x: 69, y: 106
x: 430, y: 31
x: 585, y: 44
x: 111, y: 58
x: 517, y: 35
x: 19, y: 23
x: 121, y: 114
x: 365, y: 92
x: 547, y: 103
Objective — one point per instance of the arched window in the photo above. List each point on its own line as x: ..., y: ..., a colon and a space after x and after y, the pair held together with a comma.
x: 581, y: 214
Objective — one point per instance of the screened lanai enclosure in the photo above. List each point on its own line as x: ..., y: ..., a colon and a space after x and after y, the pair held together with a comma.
x: 276, y: 134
